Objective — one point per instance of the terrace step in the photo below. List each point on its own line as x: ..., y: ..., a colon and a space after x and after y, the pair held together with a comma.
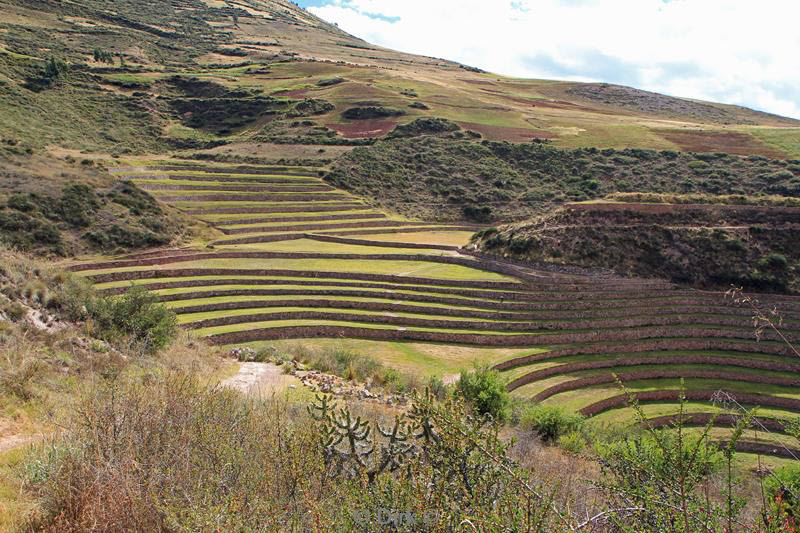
x: 222, y: 179
x: 569, y: 368
x: 315, y: 227
x: 763, y: 400
x: 645, y: 375
x: 277, y: 170
x: 235, y: 188
x: 516, y: 324
x: 377, y: 231
x: 255, y: 197
x: 497, y: 340
x: 774, y: 425
x: 301, y: 208
x: 355, y: 216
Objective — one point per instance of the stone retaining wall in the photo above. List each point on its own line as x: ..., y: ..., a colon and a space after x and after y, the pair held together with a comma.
x: 719, y: 419
x: 200, y: 177
x: 765, y: 448
x: 315, y: 274
x: 604, y: 379
x: 436, y: 323
x: 486, y: 266
x: 406, y: 229
x: 288, y: 197
x: 275, y: 209
x: 383, y: 244
x: 476, y: 339
x: 276, y: 171
x: 660, y: 345
x: 311, y: 227
x: 298, y: 219
x: 376, y: 294
x: 406, y: 308
x: 235, y: 188
x: 755, y: 364
x: 697, y: 395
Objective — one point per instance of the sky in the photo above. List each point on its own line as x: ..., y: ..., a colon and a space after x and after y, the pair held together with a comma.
x: 744, y: 52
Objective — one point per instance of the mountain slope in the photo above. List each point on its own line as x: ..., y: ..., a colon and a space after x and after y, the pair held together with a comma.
x: 115, y: 52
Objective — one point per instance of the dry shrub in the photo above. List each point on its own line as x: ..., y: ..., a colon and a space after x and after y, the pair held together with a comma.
x: 175, y: 455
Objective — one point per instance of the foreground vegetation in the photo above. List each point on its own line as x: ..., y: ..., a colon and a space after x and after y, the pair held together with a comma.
x: 144, y: 440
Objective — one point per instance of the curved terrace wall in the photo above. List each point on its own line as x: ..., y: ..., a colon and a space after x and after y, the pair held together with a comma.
x: 366, y: 306
x: 654, y: 345
x: 421, y: 322
x: 275, y: 209
x: 235, y: 188
x: 689, y: 359
x: 356, y: 216
x: 315, y: 274
x: 719, y: 420
x: 324, y: 331
x: 697, y: 395
x: 602, y: 379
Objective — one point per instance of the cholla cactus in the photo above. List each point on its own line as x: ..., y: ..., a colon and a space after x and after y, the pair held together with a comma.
x: 397, y: 449
x: 421, y: 415
x: 337, y: 427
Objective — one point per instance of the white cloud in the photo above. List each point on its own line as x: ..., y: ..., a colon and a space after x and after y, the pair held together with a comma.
x: 734, y: 51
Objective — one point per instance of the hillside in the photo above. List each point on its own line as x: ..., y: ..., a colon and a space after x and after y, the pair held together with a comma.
x: 217, y: 190
x: 708, y: 246
x: 445, y: 177
x: 271, y: 55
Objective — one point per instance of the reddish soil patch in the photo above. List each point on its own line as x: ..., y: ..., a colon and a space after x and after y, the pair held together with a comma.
x: 291, y: 94
x: 503, y: 133
x: 364, y: 128
x: 719, y: 141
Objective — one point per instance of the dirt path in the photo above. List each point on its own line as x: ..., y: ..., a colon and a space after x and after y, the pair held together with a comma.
x: 17, y: 441
x: 260, y: 378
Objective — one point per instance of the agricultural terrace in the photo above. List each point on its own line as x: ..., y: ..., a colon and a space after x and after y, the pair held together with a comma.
x: 297, y: 261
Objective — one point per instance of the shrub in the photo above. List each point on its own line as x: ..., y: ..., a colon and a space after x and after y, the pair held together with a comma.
x: 371, y: 112
x: 54, y: 69
x: 697, y: 165
x: 424, y: 126
x: 549, y: 422
x: 774, y: 261
x: 438, y: 388
x: 783, y: 489
x: 573, y: 442
x: 136, y: 315
x: 653, y: 458
x: 485, y: 390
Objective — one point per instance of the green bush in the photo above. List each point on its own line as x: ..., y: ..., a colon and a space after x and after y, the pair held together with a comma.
x: 774, y: 261
x: 549, y: 422
x: 135, y: 315
x: 645, y: 458
x: 783, y: 489
x: 485, y: 390
x: 573, y: 442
